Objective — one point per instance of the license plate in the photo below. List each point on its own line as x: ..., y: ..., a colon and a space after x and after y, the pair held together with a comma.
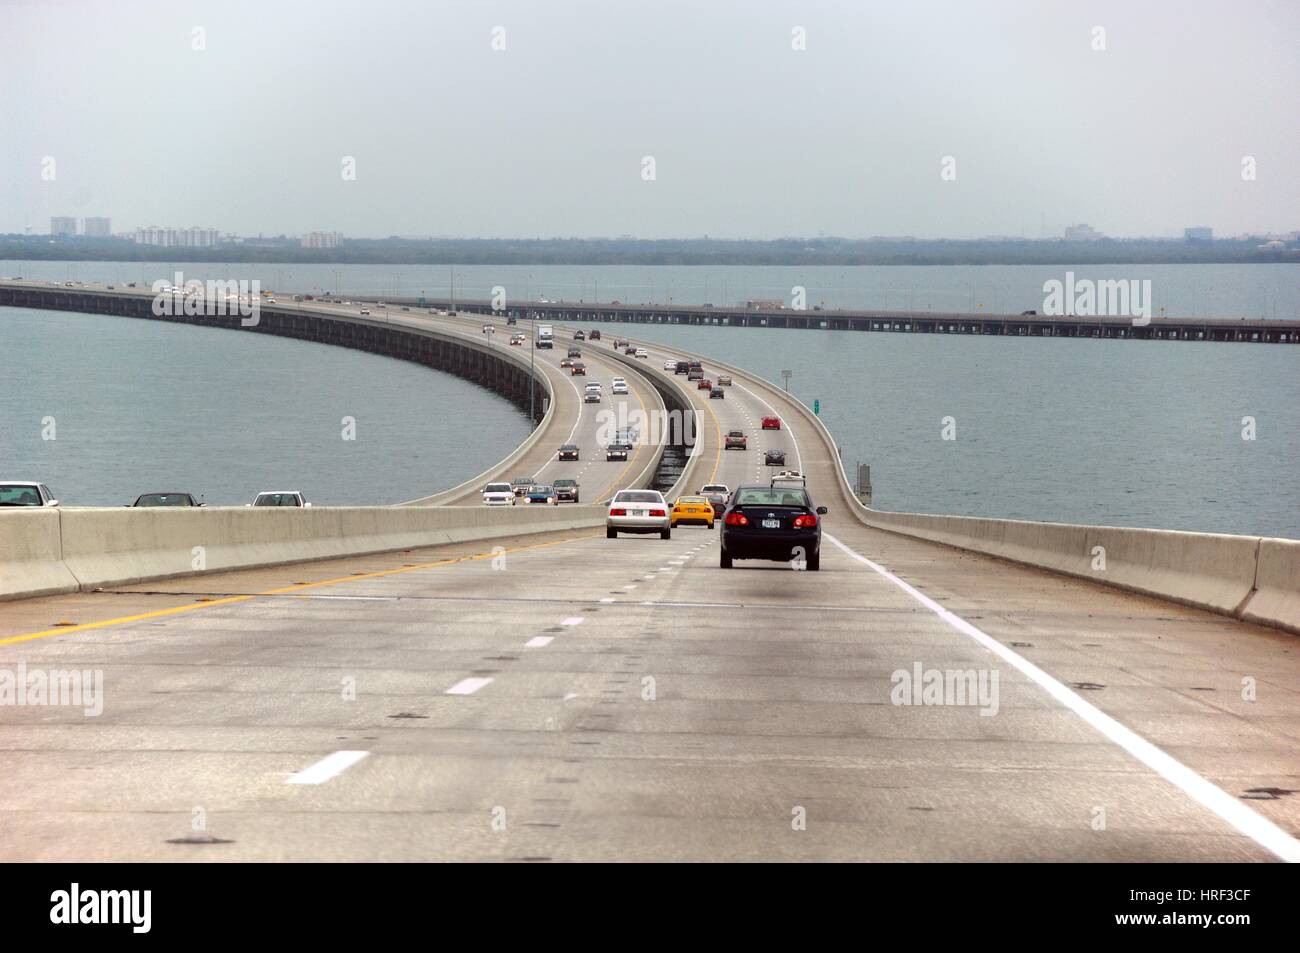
x: 771, y: 524
x: 637, y: 512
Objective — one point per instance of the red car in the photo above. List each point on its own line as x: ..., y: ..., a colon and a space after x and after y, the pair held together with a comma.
x: 578, y: 370
x: 704, y: 384
x: 771, y: 423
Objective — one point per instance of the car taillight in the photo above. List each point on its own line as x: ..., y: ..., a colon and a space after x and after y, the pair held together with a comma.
x: 619, y: 512
x: 658, y: 513
x: 736, y: 519
x: 805, y: 521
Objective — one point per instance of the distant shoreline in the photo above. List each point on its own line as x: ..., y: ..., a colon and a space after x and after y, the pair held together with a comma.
x: 841, y: 253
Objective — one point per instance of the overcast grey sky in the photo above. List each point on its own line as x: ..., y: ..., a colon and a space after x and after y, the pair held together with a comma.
x: 750, y: 137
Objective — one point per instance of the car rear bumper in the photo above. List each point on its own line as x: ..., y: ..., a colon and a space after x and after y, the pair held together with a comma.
x: 745, y: 543
x: 638, y: 524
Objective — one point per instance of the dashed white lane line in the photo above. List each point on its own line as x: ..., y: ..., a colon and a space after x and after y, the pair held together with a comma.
x: 651, y: 576
x: 572, y: 620
x: 468, y: 686
x: 1255, y: 826
x: 539, y: 641
x: 326, y: 768
x: 630, y: 586
x: 607, y: 599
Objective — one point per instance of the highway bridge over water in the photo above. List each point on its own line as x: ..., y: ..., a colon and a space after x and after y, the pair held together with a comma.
x: 441, y: 680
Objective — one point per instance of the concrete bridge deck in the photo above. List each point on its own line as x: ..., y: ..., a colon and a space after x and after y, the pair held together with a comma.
x: 569, y: 697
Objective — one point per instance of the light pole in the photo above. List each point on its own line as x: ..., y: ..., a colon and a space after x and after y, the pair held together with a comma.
x: 532, y: 357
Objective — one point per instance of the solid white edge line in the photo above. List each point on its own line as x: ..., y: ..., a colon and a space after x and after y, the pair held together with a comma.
x: 328, y: 767
x: 1255, y: 826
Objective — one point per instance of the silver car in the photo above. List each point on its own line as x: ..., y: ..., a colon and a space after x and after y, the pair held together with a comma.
x: 638, y: 511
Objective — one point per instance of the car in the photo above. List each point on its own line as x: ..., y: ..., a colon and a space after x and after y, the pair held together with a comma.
x: 630, y: 350
x: 566, y: 490
x: 717, y: 494
x: 692, y: 509
x: 568, y: 452
x: 670, y: 365
x: 724, y: 381
x: 618, y: 386
x: 774, y: 458
x: 166, y: 499
x: 681, y: 367
x: 616, y: 451
x: 498, y: 494
x: 704, y: 384
x: 619, y: 342
x: 566, y: 362
x: 772, y: 522
x: 717, y: 393
x: 541, y: 493
x: 642, y: 354
x: 735, y: 440
x: 578, y: 369
x: 26, y: 494
x: 591, y: 397
x: 638, y: 511
x: 594, y: 335
x: 489, y: 329
x: 579, y: 336
x: 772, y: 423
x: 365, y: 310
x: 694, y: 374
x: 380, y: 304
x: 278, y: 498
x: 512, y: 320
x: 516, y: 339
x: 519, y: 485
x: 574, y: 352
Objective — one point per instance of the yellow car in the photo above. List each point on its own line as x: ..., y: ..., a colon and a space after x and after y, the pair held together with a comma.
x: 692, y: 509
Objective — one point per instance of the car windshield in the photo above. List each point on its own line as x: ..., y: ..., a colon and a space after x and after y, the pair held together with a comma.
x: 523, y: 481
x: 497, y: 488
x: 18, y: 495
x: 163, y: 499
x: 638, y: 496
x: 569, y: 446
x: 776, y: 496
x: 566, y: 482
x: 276, y: 499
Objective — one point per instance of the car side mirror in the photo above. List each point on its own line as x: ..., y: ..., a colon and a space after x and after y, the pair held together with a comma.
x: 52, y: 503
x: 306, y: 504
x: 821, y: 511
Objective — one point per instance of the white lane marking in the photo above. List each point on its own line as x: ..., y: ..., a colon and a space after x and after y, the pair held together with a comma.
x: 572, y: 620
x: 539, y: 641
x: 651, y: 576
x: 607, y: 599
x: 630, y: 586
x: 468, y: 686
x: 570, y: 696
x: 1255, y: 826
x: 326, y: 768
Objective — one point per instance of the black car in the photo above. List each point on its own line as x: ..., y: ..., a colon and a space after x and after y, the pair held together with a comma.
x: 776, y: 522
x: 630, y: 349
x: 682, y: 367
x: 520, y: 485
x: 566, y: 491
x: 166, y: 499
x: 774, y: 458
x: 616, y: 451
x: 512, y: 320
x: 568, y: 452
x: 574, y: 352
x: 595, y: 335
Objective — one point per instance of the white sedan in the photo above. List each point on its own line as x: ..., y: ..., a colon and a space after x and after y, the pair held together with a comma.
x: 638, y: 511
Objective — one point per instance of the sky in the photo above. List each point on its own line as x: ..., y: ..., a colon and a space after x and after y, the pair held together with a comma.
x: 729, y: 118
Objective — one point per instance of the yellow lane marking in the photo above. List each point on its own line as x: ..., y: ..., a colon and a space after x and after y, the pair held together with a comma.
x: 229, y: 600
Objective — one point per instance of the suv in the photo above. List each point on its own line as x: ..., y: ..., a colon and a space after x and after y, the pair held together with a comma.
x: 574, y: 352
x: 520, y: 485
x: 566, y: 490
x: 774, y: 522
x: 682, y: 367
x: 498, y: 494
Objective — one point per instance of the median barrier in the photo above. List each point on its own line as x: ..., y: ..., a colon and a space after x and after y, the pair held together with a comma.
x: 1276, y: 600
x: 31, y: 556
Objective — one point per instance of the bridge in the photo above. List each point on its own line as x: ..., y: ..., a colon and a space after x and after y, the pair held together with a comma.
x: 443, y: 680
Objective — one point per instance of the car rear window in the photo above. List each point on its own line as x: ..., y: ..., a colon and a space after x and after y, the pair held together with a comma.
x: 637, y: 496
x: 781, y: 496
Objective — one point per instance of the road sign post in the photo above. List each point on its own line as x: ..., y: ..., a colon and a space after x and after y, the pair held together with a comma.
x: 785, y: 379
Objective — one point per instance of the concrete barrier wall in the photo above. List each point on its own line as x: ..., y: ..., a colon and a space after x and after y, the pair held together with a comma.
x: 1276, y: 600
x: 31, y: 554
x: 88, y: 548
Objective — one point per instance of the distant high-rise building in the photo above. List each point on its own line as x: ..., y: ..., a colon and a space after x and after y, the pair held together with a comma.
x: 98, y: 227
x: 1198, y: 234
x: 63, y: 225
x: 322, y: 240
x: 169, y: 236
x: 1082, y: 233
